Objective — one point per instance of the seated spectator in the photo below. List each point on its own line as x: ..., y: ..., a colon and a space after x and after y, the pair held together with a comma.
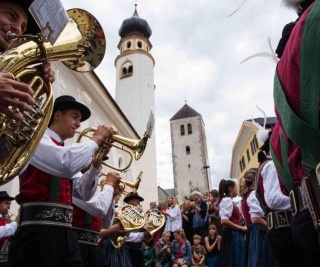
x: 163, y: 250
x: 198, y: 252
x: 149, y: 254
x: 180, y: 250
x: 212, y: 245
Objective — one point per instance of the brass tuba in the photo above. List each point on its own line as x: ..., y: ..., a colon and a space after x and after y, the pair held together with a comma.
x: 81, y: 47
x: 136, y: 146
x: 132, y: 220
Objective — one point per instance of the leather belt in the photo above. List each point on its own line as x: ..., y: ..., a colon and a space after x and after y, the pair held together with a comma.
x: 297, y: 205
x: 133, y: 245
x: 45, y: 213
x: 278, y: 219
x: 86, y: 236
x: 4, y: 251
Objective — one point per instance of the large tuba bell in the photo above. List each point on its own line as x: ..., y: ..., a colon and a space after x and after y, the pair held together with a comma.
x: 132, y: 220
x: 136, y: 146
x: 81, y: 47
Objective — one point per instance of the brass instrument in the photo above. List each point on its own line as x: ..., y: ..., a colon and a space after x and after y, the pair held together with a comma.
x: 12, y: 216
x: 154, y: 221
x: 136, y: 146
x: 81, y: 47
x: 119, y: 187
x: 132, y: 220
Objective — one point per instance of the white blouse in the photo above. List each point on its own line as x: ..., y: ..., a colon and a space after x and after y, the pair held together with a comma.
x: 174, y: 222
x: 255, y: 209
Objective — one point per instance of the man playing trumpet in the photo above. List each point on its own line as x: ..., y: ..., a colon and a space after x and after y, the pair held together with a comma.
x: 87, y: 221
x: 47, y: 186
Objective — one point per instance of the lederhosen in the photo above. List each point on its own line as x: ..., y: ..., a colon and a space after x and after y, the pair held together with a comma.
x: 87, y: 228
x: 296, y: 137
x: 4, y: 245
x: 44, y: 236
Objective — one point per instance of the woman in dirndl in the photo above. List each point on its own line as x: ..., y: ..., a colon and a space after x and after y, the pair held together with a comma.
x: 232, y: 241
x: 257, y: 250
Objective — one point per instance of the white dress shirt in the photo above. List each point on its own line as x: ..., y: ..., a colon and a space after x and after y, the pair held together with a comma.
x: 8, y: 229
x: 174, y: 222
x: 99, y: 204
x: 273, y: 195
x: 255, y: 209
x: 68, y: 162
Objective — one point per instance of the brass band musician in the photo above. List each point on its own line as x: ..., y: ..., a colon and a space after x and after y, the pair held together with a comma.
x: 44, y: 236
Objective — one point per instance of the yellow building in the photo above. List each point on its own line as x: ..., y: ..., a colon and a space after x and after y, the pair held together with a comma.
x: 246, y: 147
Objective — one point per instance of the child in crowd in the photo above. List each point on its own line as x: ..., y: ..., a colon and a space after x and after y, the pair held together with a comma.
x: 212, y: 245
x: 149, y: 254
x: 198, y: 252
x: 163, y: 250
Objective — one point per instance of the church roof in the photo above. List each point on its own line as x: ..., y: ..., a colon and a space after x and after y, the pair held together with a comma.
x: 185, y: 112
x: 135, y: 25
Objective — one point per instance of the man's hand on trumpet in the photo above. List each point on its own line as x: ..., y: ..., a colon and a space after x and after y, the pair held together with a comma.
x: 102, y: 133
x: 112, y: 178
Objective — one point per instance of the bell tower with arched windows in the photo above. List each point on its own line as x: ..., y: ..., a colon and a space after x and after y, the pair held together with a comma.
x: 189, y: 153
x: 135, y: 93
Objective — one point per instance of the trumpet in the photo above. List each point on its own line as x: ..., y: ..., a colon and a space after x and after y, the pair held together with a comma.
x: 119, y: 187
x: 136, y: 146
x: 12, y: 216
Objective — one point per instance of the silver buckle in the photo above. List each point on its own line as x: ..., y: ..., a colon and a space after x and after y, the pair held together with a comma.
x: 292, y: 197
x: 282, y: 221
x: 270, y: 221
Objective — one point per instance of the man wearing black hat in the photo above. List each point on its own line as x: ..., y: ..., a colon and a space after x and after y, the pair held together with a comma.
x: 15, y: 17
x: 134, y: 240
x: 6, y: 228
x: 44, y: 236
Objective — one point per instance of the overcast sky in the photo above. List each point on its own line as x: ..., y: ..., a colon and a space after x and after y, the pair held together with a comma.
x: 197, y: 48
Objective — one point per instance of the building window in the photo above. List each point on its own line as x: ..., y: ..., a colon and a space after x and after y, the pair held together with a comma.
x: 254, y: 145
x: 139, y: 44
x: 182, y: 129
x: 187, y: 150
x: 189, y: 128
x: 130, y: 70
x: 128, y: 44
x: 126, y: 70
x: 248, y: 155
x: 242, y: 164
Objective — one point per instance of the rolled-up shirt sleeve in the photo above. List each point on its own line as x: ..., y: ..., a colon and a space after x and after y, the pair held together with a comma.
x: 255, y: 209
x: 99, y: 204
x: 273, y: 195
x: 226, y: 208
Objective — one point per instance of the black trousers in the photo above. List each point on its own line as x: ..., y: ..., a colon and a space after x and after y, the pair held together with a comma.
x: 92, y: 256
x: 284, y: 249
x: 136, y: 255
x: 44, y: 246
x: 306, y: 237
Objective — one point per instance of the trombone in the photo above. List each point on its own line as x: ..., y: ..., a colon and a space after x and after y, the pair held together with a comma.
x: 136, y: 146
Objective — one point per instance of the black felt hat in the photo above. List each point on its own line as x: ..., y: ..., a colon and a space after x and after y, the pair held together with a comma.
x: 32, y: 27
x: 4, y: 196
x: 68, y: 102
x: 131, y: 196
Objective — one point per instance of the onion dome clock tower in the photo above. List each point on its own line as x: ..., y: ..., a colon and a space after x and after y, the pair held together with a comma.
x: 135, y: 90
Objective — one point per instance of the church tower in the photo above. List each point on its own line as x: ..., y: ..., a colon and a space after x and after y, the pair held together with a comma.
x: 135, y: 93
x: 189, y: 153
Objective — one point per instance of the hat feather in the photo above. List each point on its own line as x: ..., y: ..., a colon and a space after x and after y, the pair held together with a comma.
x: 262, y: 133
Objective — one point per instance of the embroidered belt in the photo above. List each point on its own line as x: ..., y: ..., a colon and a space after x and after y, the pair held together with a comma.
x: 310, y: 194
x: 278, y: 219
x: 4, y: 251
x: 296, y: 202
x: 86, y: 236
x: 45, y: 213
